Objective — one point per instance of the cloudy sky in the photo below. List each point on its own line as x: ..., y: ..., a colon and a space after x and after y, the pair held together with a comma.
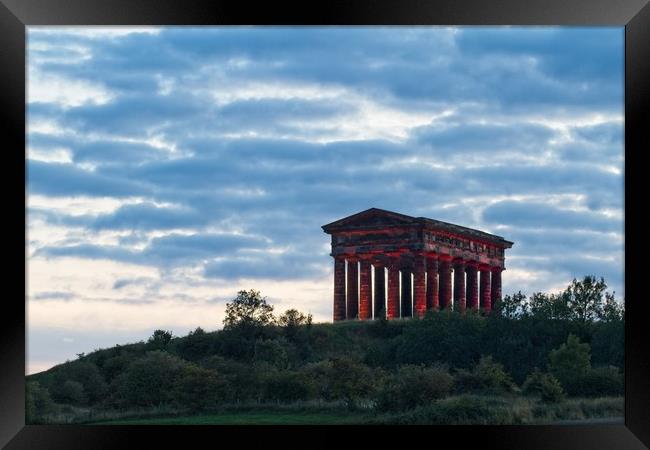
x: 169, y: 168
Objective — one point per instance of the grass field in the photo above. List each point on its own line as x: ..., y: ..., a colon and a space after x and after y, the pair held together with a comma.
x: 288, y: 418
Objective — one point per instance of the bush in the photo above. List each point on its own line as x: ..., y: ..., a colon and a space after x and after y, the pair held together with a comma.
x: 149, y: 381
x: 544, y: 385
x: 72, y: 392
x: 286, y: 386
x: 463, y: 410
x: 597, y: 382
x: 571, y: 360
x: 91, y: 384
x: 38, y: 403
x: 487, y: 376
x: 273, y: 352
x: 342, y: 379
x: 413, y: 386
x: 199, y: 389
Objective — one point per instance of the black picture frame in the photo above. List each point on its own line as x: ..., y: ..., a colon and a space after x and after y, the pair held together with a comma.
x: 15, y: 15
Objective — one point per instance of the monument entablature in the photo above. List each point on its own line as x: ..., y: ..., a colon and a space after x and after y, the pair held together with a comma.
x: 420, y: 255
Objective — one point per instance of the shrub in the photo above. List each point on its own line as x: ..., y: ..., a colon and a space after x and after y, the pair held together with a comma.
x: 86, y: 374
x: 38, y: 402
x: 412, y: 386
x: 199, y: 389
x: 72, y: 392
x: 544, y: 385
x: 196, y: 345
x: 597, y: 382
x: 272, y: 352
x: 572, y: 359
x: 463, y: 410
x: 342, y: 379
x: 149, y: 381
x: 286, y: 386
x: 487, y: 376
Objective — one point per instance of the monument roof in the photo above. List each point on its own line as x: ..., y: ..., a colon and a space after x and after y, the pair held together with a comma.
x: 375, y: 218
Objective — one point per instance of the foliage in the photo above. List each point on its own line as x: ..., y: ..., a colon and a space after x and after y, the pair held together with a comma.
x: 572, y: 359
x: 249, y: 310
x: 159, y: 340
x: 87, y: 385
x: 150, y: 380
x: 544, y: 385
x: 198, y: 388
x: 380, y: 365
x: 342, y: 378
x: 512, y: 306
x: 487, y: 376
x: 597, y: 382
x: 38, y: 402
x: 273, y: 352
x: 197, y: 345
x: 287, y: 386
x: 412, y: 386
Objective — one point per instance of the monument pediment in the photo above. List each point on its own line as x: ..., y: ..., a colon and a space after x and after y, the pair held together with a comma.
x: 370, y: 218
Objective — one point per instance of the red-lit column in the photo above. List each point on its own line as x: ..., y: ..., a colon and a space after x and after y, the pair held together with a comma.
x: 339, y: 288
x: 393, y: 290
x: 365, y: 292
x: 407, y: 298
x: 420, y: 301
x: 432, y: 282
x: 353, y: 289
x: 380, y: 291
x: 459, y: 285
x: 496, y: 286
x: 486, y: 294
x: 444, y: 270
x: 472, y: 284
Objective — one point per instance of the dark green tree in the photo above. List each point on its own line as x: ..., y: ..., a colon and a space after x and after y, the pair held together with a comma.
x: 585, y: 298
x: 159, y: 339
x: 248, y: 309
x: 512, y: 306
x: 571, y: 360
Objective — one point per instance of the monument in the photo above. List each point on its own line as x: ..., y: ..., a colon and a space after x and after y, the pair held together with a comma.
x: 406, y: 264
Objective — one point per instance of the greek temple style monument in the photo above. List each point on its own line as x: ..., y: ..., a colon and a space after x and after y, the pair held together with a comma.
x: 418, y: 256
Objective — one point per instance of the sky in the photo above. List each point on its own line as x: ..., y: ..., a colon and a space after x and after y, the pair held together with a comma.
x: 169, y: 168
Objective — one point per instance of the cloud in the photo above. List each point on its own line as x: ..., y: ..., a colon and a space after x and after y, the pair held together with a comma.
x: 179, y: 165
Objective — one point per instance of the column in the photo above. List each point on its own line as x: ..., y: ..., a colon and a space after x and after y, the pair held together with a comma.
x: 353, y: 289
x: 365, y: 292
x: 486, y: 294
x: 459, y: 285
x: 471, y: 267
x: 407, y: 298
x: 496, y: 286
x: 392, y: 311
x: 380, y: 291
x: 420, y: 301
x: 339, y: 288
x: 445, y: 282
x: 432, y: 282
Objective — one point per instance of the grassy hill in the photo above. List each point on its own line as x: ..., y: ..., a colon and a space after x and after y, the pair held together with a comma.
x: 444, y: 368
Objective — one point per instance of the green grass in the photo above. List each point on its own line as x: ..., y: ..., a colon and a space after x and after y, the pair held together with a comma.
x: 267, y: 418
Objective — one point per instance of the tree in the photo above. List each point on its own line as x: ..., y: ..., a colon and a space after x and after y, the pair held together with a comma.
x: 294, y: 318
x: 544, y: 385
x: 248, y: 309
x: 612, y: 311
x: 148, y: 381
x: 585, y: 298
x: 571, y: 360
x: 159, y: 339
x: 512, y: 306
x: 550, y: 306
